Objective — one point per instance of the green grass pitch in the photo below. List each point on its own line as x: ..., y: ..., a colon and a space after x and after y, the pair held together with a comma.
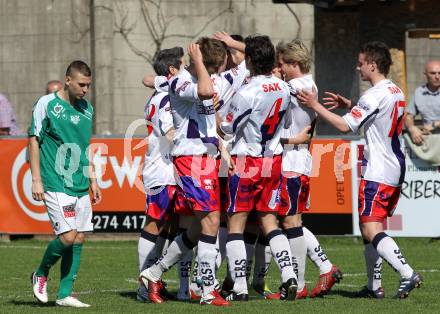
x: 108, y: 280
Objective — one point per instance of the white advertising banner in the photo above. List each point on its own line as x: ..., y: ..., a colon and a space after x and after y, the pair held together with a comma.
x: 418, y: 211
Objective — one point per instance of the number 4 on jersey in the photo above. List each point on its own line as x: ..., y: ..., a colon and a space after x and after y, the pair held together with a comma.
x: 271, y: 122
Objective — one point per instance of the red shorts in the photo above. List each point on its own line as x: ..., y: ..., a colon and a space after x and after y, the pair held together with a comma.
x: 199, y: 182
x: 294, y: 195
x: 160, y: 200
x: 255, y: 185
x: 376, y: 201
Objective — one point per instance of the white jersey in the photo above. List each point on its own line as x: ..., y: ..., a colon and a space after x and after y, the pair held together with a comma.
x: 158, y: 167
x: 256, y: 116
x: 380, y: 110
x: 194, y: 119
x: 297, y: 158
x: 226, y: 84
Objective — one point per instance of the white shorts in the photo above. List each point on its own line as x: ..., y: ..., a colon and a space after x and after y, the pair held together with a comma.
x: 68, y: 212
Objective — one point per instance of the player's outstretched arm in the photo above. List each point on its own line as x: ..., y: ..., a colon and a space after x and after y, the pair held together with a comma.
x: 302, y: 138
x: 229, y: 41
x: 333, y: 101
x: 34, y: 160
x: 205, y: 90
x: 309, y: 99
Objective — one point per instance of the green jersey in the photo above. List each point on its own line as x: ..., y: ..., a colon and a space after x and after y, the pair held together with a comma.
x: 63, y: 133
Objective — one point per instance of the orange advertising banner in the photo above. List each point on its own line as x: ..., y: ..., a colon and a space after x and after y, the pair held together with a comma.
x: 118, y: 164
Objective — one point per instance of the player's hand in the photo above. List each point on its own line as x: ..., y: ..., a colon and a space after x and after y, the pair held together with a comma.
x: 416, y: 135
x: 427, y: 128
x: 224, y: 37
x: 304, y: 136
x: 333, y: 101
x: 194, y: 53
x: 307, y: 98
x: 37, y: 190
x: 96, y: 192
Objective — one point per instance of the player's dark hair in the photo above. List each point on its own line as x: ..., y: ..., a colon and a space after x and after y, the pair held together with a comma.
x: 379, y: 53
x: 78, y: 66
x: 213, y: 53
x: 237, y: 37
x: 166, y: 58
x: 261, y: 53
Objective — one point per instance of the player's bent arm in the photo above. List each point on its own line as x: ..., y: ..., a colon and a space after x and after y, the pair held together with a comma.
x: 332, y: 118
x: 34, y: 160
x: 229, y: 41
x: 301, y: 138
x: 205, y: 90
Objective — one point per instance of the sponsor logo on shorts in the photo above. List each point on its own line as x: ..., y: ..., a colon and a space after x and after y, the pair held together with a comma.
x: 69, y: 211
x: 56, y: 226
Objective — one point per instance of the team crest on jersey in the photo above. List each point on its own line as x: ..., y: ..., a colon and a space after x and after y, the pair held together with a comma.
x: 356, y: 113
x: 75, y: 119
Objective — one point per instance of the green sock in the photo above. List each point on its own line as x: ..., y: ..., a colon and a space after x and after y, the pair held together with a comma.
x: 69, y: 270
x: 54, y: 251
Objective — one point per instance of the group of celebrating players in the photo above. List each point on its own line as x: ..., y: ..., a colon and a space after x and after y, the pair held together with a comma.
x: 229, y: 163
x: 226, y: 170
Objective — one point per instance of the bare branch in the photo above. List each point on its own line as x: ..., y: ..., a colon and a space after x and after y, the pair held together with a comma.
x: 296, y: 19
x: 148, y: 21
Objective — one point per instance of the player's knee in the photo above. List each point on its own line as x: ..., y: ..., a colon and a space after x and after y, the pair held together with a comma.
x: 68, y: 238
x: 80, y: 237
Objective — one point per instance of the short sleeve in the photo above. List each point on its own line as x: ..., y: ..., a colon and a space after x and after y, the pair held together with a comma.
x: 161, y: 83
x: 184, y: 88
x: 238, y: 114
x: 39, y: 114
x: 366, y: 108
x: 412, y: 108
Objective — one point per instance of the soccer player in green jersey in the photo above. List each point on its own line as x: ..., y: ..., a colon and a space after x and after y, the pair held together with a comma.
x: 62, y: 176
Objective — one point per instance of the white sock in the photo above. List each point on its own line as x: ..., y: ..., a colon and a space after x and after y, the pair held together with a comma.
x: 249, y: 243
x: 146, y: 250
x: 221, y: 245
x: 316, y: 253
x: 298, y: 247
x: 263, y: 257
x: 195, y: 278
x: 390, y: 252
x: 373, y: 262
x: 207, y: 253
x: 236, y: 252
x: 180, y: 246
x: 281, y: 253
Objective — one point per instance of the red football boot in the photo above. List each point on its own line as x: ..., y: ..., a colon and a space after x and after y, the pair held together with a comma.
x: 153, y: 288
x: 302, y: 294
x: 214, y: 298
x: 326, y: 282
